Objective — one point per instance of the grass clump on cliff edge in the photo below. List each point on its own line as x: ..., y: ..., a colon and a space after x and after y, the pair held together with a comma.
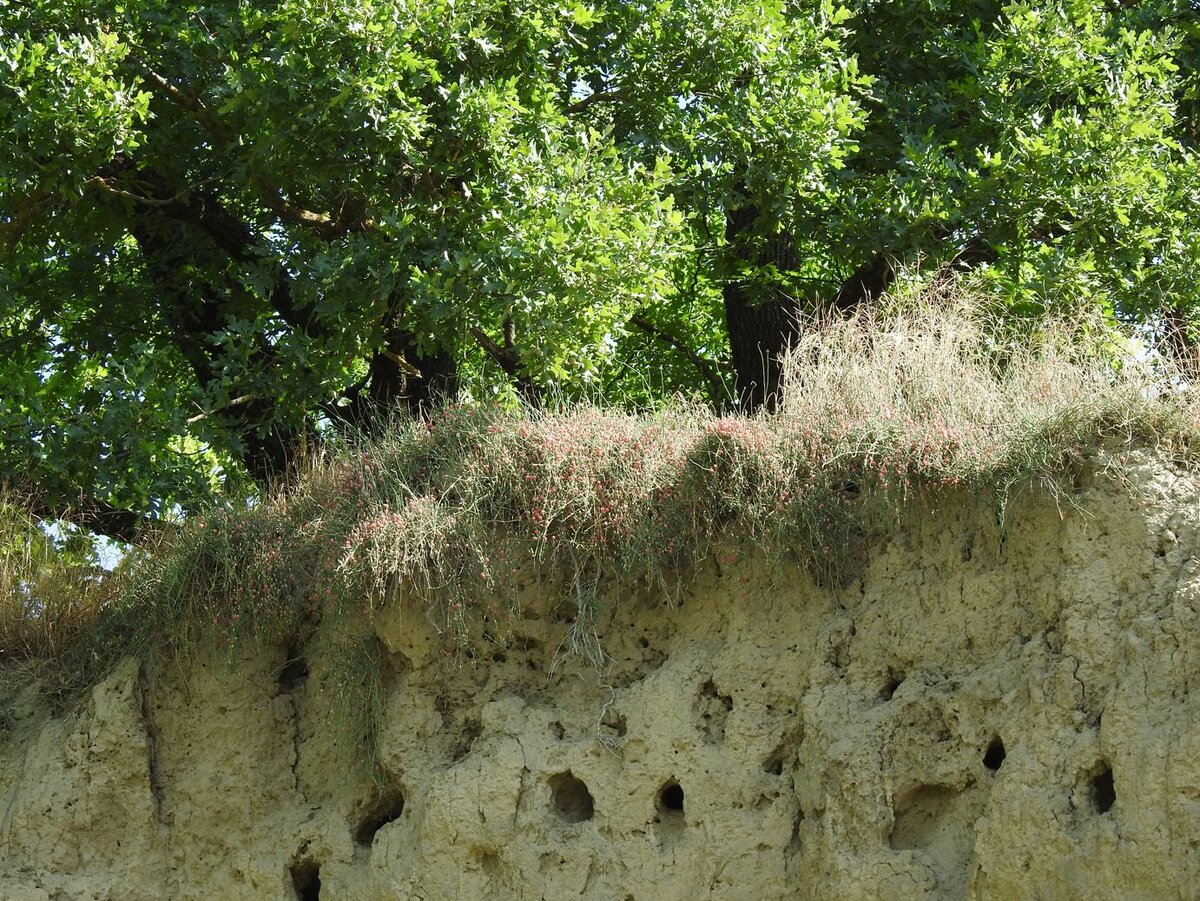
x: 45, y: 601
x: 455, y: 508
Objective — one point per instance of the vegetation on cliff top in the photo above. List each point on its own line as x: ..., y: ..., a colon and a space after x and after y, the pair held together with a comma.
x: 230, y: 230
x: 454, y: 509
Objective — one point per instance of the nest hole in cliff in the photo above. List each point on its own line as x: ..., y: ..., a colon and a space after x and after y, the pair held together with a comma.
x: 570, y: 798
x: 306, y: 880
x: 294, y: 674
x: 1103, y: 789
x: 994, y: 756
x: 890, y: 687
x: 773, y: 764
x: 967, y: 549
x: 670, y: 801
x: 383, y: 810
x: 614, y: 723
x: 714, y: 709
x: 471, y: 729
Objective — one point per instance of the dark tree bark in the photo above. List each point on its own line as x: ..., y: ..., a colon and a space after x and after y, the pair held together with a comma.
x: 508, y: 357
x: 975, y: 253
x: 173, y: 231
x: 864, y: 285
x: 174, y: 236
x: 1180, y: 342
x: 762, y: 320
x: 399, y: 376
x: 438, y: 377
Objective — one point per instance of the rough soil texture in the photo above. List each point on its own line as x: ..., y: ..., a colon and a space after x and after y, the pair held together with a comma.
x: 979, y: 714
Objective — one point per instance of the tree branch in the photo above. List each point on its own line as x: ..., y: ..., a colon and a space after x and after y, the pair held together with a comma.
x: 193, y: 105
x: 236, y: 402
x: 586, y: 103
x: 105, y: 184
x: 406, y: 367
x: 350, y: 217
x: 503, y: 356
x: 705, y: 367
x: 231, y: 234
x: 91, y: 514
x: 509, y: 360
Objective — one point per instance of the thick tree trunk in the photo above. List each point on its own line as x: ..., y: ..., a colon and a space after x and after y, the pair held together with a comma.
x: 762, y: 320
x: 171, y: 233
x: 438, y: 377
x: 864, y: 285
x: 399, y: 377
x: 1180, y: 342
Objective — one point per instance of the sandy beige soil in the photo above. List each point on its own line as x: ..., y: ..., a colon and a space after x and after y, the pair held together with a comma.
x: 977, y: 715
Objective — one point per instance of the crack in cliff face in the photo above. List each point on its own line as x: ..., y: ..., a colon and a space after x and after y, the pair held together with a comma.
x: 6, y: 822
x: 296, y: 742
x: 525, y: 771
x: 152, y: 739
x: 293, y: 679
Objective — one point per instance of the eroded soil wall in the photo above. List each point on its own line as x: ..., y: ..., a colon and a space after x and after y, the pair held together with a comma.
x: 979, y: 714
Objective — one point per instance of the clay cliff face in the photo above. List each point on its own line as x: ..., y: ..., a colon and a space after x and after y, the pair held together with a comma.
x: 979, y: 714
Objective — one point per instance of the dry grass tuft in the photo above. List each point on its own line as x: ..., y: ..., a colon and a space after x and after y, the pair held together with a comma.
x: 978, y: 387
x: 48, y: 598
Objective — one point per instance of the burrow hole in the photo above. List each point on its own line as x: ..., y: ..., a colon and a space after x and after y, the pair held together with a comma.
x: 306, y: 880
x: 294, y: 674
x: 710, y: 691
x: 920, y: 815
x: 525, y: 644
x: 890, y: 686
x: 714, y: 709
x: 570, y: 798
x: 994, y: 755
x: 383, y: 810
x: 1166, y: 540
x: 614, y: 722
x: 471, y: 730
x: 670, y: 801
x: 773, y: 765
x: 1104, y: 791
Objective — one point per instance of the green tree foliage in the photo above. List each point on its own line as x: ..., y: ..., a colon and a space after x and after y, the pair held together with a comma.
x: 227, y: 228
x: 1042, y: 138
